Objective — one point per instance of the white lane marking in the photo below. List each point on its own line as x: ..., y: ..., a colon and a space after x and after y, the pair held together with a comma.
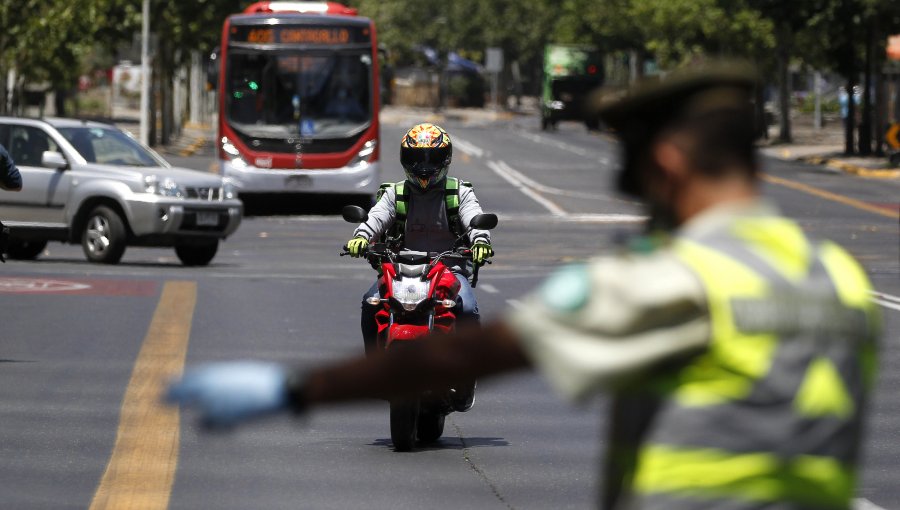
x: 543, y: 188
x: 490, y: 289
x: 886, y: 300
x: 528, y: 192
x: 515, y: 303
x: 473, y: 150
x: 865, y: 504
x: 886, y: 297
x: 572, y: 149
x: 521, y: 218
x: 469, y: 148
x: 603, y: 218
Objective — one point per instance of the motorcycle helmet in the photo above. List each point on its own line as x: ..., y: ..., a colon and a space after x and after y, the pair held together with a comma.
x: 425, y: 154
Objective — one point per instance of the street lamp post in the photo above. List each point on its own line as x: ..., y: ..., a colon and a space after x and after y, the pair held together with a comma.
x: 145, y: 73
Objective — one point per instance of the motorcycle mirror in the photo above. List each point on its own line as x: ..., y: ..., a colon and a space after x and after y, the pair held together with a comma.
x: 484, y: 221
x: 354, y: 214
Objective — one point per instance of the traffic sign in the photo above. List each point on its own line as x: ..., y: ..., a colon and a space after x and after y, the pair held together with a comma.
x: 893, y: 136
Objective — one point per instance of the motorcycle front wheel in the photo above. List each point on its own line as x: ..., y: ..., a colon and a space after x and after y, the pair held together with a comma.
x: 431, y: 426
x: 404, y: 422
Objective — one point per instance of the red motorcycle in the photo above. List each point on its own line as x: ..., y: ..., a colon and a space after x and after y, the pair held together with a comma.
x: 417, y: 295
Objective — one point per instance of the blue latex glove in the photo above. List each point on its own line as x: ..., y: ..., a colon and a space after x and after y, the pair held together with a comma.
x: 230, y: 392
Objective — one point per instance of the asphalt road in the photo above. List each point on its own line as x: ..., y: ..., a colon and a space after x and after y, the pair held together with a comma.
x: 85, y: 349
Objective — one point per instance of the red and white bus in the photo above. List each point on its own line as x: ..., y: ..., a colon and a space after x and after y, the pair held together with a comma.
x: 298, y: 100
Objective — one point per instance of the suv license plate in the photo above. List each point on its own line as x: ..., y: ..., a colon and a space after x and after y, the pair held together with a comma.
x: 207, y: 219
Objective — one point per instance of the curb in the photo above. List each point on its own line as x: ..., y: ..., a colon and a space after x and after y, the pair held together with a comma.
x: 843, y: 166
x: 191, y: 149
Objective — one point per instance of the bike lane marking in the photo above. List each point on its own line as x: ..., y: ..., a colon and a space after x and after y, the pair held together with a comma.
x: 80, y: 287
x: 141, y: 469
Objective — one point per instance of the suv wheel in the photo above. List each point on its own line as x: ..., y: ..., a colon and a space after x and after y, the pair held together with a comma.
x: 104, y: 236
x: 20, y: 249
x: 197, y: 254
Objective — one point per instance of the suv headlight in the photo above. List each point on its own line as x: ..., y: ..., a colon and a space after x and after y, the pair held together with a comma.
x: 165, y: 187
x: 229, y: 189
x: 365, y: 154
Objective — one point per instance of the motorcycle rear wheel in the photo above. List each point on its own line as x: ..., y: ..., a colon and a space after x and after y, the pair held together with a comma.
x: 430, y: 427
x: 404, y: 421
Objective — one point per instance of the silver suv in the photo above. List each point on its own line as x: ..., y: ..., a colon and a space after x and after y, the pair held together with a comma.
x: 91, y: 183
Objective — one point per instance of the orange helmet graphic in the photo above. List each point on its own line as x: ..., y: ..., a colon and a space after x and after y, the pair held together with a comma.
x: 425, y: 153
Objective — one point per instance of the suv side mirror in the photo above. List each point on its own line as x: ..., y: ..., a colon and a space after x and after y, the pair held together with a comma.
x: 484, y: 221
x: 354, y: 214
x: 55, y: 160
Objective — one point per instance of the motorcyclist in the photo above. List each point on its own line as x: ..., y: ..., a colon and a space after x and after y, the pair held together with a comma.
x: 427, y: 212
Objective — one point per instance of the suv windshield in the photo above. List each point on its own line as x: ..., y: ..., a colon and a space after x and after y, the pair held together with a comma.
x: 108, y: 146
x: 289, y: 94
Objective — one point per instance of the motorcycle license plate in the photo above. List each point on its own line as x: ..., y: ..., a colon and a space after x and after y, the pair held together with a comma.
x: 207, y: 219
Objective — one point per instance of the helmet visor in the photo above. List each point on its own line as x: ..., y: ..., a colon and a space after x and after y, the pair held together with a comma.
x: 424, y: 162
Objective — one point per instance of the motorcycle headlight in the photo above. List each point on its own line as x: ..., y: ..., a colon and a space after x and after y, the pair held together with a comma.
x: 365, y: 154
x: 409, y: 292
x: 163, y: 187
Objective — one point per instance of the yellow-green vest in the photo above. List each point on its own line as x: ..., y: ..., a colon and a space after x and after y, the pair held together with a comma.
x: 769, y: 415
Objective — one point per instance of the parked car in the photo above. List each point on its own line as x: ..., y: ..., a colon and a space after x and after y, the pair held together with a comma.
x: 94, y: 184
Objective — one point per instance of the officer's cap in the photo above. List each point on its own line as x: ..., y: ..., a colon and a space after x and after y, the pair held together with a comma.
x: 645, y: 110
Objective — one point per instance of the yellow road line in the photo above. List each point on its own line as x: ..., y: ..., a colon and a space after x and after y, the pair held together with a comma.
x: 141, y: 469
x: 834, y: 197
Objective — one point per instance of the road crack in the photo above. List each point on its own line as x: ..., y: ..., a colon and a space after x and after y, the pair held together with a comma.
x: 467, y: 455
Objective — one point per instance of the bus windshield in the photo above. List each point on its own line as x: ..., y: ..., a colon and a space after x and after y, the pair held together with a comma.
x: 287, y: 94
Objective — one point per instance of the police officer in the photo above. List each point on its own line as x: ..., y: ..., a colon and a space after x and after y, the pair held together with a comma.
x: 10, y: 180
x: 739, y: 351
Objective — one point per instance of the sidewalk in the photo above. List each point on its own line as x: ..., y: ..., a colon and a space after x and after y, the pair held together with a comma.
x: 825, y: 148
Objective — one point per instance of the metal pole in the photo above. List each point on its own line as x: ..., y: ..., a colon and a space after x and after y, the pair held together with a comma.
x: 145, y: 73
x: 817, y: 87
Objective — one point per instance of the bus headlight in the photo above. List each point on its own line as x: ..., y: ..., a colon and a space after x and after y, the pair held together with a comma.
x: 365, y: 154
x: 166, y: 187
x: 231, y: 153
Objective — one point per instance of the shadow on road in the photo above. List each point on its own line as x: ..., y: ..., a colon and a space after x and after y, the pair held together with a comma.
x: 450, y: 443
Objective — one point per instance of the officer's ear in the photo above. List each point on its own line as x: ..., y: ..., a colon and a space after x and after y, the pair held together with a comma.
x: 671, y: 158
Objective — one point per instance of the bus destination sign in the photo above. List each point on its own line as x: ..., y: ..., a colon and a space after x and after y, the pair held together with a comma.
x: 312, y: 35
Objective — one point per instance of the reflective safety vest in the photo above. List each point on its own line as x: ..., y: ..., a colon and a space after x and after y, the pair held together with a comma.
x: 401, y: 205
x: 769, y: 415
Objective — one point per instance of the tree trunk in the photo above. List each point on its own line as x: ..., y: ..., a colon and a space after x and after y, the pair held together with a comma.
x: 784, y: 83
x: 850, y: 121
x: 59, y: 101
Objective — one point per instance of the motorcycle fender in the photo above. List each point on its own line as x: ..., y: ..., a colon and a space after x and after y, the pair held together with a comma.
x: 406, y: 333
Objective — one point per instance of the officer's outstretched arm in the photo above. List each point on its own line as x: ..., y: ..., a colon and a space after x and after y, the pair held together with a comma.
x: 228, y: 393
x: 447, y: 359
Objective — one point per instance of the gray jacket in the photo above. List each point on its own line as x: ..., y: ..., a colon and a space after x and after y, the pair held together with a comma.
x: 427, y: 228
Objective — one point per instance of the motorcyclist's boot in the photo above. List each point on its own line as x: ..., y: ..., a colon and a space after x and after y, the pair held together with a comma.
x: 463, y: 398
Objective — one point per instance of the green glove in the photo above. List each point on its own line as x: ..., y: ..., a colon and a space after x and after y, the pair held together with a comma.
x: 357, y: 246
x: 481, y: 251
